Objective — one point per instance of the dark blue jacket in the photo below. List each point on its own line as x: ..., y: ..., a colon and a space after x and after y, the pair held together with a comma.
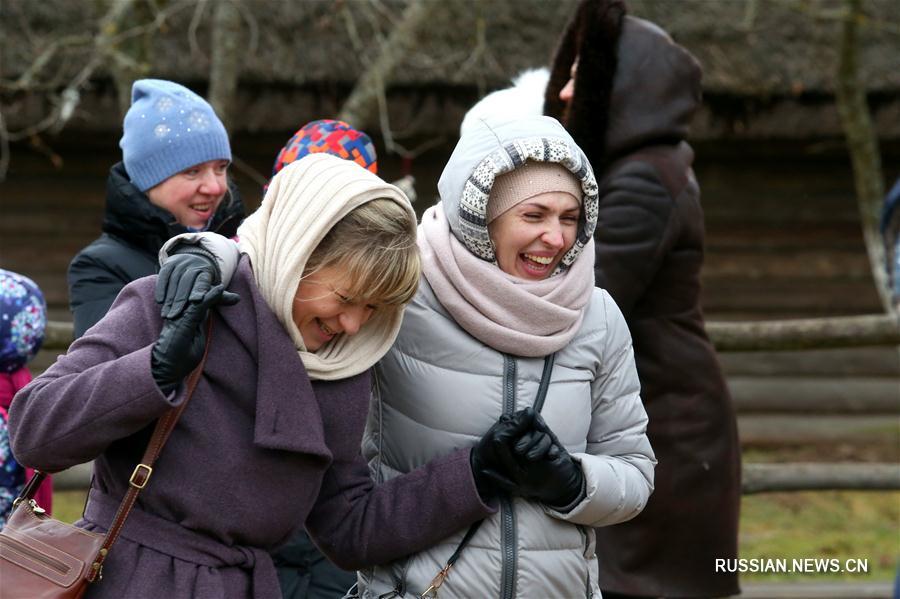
x: 133, y: 232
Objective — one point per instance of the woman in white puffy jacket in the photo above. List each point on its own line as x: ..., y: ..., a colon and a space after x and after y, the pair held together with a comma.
x: 508, y: 281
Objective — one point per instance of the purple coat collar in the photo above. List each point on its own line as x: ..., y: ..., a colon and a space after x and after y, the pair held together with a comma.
x: 287, y: 411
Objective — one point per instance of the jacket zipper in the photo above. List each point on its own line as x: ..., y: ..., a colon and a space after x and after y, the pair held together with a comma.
x: 507, y: 509
x: 586, y: 542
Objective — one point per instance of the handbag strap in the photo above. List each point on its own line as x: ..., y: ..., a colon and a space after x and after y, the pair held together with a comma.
x: 141, y: 474
x: 538, y: 406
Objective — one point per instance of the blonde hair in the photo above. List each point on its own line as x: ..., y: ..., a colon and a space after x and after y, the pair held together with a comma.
x: 375, y: 246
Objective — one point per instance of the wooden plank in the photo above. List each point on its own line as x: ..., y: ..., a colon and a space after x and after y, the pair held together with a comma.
x: 806, y: 333
x: 811, y: 264
x: 832, y: 589
x: 785, y: 296
x: 769, y: 478
x: 774, y: 430
x: 819, y: 395
x: 860, y: 361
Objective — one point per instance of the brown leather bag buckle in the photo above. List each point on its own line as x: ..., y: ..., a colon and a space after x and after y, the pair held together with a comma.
x: 140, y: 476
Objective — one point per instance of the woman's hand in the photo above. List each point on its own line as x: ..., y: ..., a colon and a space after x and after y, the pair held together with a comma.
x: 182, y: 339
x: 546, y: 471
x: 520, y: 455
x: 492, y: 462
x: 186, y: 276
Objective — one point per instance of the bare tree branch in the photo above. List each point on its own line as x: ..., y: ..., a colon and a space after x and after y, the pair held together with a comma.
x: 252, y: 26
x: 862, y: 143
x: 4, y: 149
x: 104, y: 49
x: 196, y: 19
x: 27, y: 79
x: 362, y: 107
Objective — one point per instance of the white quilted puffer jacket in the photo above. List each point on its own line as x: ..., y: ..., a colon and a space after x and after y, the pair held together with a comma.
x: 432, y: 398
x: 439, y: 389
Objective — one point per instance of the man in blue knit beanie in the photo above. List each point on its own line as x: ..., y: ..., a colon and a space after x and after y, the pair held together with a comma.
x: 172, y: 180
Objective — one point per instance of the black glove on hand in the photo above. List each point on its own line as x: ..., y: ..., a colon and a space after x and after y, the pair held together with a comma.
x: 182, y: 339
x: 547, y: 472
x: 491, y: 459
x: 188, y: 274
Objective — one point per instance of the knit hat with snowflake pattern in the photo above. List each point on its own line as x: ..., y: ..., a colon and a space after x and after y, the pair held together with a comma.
x: 23, y: 318
x: 168, y: 129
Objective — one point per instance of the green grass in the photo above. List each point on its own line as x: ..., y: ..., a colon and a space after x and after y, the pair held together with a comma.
x: 828, y: 524
x: 68, y: 505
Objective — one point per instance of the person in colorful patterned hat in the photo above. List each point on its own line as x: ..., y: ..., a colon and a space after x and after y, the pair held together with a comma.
x: 23, y: 318
x: 330, y: 137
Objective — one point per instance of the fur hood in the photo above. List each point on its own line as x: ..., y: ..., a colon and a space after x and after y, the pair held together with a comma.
x: 525, y: 98
x: 634, y: 86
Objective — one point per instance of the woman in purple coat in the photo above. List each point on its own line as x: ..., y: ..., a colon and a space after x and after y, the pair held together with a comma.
x: 271, y: 438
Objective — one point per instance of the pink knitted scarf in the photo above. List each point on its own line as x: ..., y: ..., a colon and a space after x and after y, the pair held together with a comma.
x: 509, y: 314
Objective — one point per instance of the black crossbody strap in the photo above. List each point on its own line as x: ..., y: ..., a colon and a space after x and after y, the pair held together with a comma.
x: 438, y: 580
x: 545, y: 383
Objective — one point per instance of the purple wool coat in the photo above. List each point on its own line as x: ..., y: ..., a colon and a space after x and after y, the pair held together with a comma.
x: 259, y: 449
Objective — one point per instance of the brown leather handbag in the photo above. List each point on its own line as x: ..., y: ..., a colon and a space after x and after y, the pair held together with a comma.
x: 43, y: 558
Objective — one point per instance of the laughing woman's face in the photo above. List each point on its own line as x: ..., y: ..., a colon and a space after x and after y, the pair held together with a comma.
x: 322, y: 310
x: 531, y: 238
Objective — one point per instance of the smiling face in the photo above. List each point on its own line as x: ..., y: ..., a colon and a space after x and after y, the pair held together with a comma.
x: 322, y: 309
x: 532, y: 237
x: 193, y: 195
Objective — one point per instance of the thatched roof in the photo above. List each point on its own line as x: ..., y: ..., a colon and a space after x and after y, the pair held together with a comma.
x: 756, y: 49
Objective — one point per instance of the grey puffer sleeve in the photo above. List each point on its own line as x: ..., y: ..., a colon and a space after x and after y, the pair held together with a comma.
x: 618, y: 461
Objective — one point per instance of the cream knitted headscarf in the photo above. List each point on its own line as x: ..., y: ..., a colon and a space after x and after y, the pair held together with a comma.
x: 303, y: 202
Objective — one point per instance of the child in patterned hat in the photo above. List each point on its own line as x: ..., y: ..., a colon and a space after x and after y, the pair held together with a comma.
x: 331, y: 137
x: 23, y: 317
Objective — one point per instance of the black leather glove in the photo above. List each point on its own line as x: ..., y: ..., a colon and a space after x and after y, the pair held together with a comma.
x: 492, y: 460
x: 182, y: 339
x: 188, y: 274
x: 546, y: 471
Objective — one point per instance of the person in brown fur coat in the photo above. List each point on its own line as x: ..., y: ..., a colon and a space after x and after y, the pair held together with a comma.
x: 626, y: 92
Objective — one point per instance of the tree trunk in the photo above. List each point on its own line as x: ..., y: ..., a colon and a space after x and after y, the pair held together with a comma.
x: 225, y: 69
x: 863, y: 146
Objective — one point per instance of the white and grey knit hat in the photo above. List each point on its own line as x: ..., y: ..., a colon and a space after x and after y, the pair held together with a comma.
x: 491, y: 148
